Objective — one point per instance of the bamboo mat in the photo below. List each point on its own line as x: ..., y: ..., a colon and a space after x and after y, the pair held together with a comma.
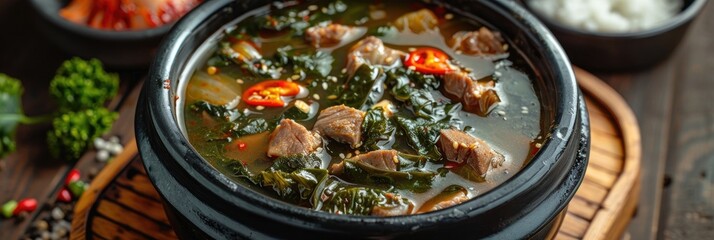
x: 122, y: 204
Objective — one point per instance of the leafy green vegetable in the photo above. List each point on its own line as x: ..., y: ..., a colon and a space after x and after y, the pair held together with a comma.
x: 250, y: 126
x: 293, y: 178
x: 280, y: 20
x: 424, y: 106
x: 220, y: 112
x: 416, y: 79
x: 308, y: 63
x: 72, y: 132
x: 11, y: 114
x: 82, y: 84
x: 236, y: 168
x: 404, y: 82
x: 409, y: 162
x: 295, y: 114
x: 376, y: 127
x: 298, y: 185
x: 235, y: 124
x: 295, y: 162
x: 358, y: 91
x: 422, y: 135
x: 362, y: 173
x: 292, y: 19
x: 342, y: 198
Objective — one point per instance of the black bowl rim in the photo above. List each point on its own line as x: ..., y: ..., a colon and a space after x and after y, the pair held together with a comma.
x: 160, y: 102
x: 52, y: 14
x: 684, y: 16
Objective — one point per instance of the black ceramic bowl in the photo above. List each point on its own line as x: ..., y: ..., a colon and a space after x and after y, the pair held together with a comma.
x: 624, y: 51
x: 119, y: 49
x: 203, y: 203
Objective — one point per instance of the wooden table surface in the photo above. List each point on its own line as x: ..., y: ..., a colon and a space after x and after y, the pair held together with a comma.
x: 672, y: 102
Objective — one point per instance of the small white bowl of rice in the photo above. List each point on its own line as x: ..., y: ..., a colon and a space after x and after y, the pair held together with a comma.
x: 617, y: 35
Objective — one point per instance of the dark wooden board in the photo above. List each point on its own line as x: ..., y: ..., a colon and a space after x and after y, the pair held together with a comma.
x: 659, y: 97
x: 688, y: 196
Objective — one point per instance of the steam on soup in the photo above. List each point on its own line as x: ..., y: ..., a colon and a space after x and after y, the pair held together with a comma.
x: 364, y: 107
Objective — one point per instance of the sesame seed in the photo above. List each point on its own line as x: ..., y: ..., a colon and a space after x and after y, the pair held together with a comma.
x: 458, y: 52
x: 357, y: 152
x: 349, y: 155
x: 505, y: 118
x: 538, y: 145
x: 412, y: 68
x: 411, y: 49
x: 316, y: 97
x: 259, y: 108
x: 312, y: 7
x: 295, y: 77
x: 464, y: 145
x: 344, y: 70
x: 469, y: 69
x: 342, y: 155
x: 501, y: 112
x: 449, y: 16
x: 395, y: 159
x: 455, y: 145
x: 239, y: 81
x: 324, y: 85
x: 332, y: 97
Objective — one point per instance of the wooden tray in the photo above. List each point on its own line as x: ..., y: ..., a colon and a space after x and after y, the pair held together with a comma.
x: 122, y: 204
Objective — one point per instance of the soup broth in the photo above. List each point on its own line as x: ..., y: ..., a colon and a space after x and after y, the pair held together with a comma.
x: 380, y: 107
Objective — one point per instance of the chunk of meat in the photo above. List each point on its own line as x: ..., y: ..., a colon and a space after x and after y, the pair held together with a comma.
x: 477, y: 96
x: 417, y: 22
x: 395, y: 210
x: 332, y: 34
x: 451, y: 196
x: 341, y: 123
x: 481, y: 42
x: 458, y: 146
x: 381, y: 159
x: 372, y: 51
x: 291, y: 138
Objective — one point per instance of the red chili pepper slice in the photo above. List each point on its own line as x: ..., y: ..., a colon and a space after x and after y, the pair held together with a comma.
x: 64, y: 195
x: 428, y: 60
x: 25, y: 205
x: 72, y: 176
x: 268, y: 93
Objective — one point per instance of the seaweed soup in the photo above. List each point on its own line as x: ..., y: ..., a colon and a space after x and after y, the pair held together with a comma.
x: 431, y: 109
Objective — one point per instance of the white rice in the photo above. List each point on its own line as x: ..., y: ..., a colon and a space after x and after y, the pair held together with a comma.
x: 608, y: 15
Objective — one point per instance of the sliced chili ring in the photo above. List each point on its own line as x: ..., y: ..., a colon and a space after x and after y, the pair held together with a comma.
x: 268, y: 93
x: 428, y: 60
